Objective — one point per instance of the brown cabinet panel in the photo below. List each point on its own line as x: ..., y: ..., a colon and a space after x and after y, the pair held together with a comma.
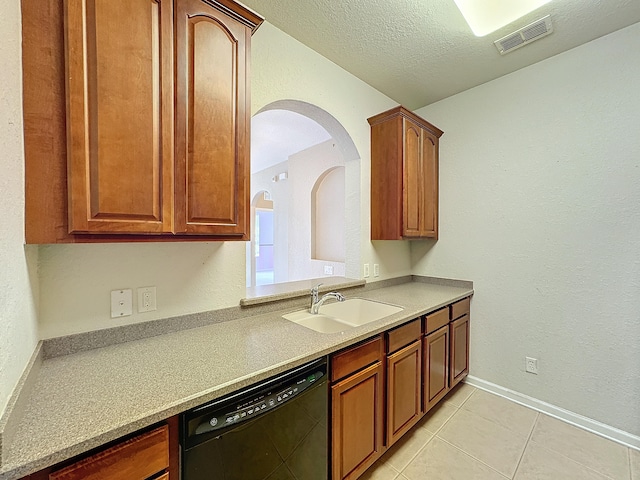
x: 212, y: 164
x: 430, y: 195
x: 386, y: 180
x: 354, y: 358
x: 357, y: 422
x: 436, y: 367
x: 459, y: 332
x: 135, y: 459
x: 460, y: 308
x: 403, y: 335
x: 412, y: 179
x: 119, y: 115
x: 436, y: 320
x: 403, y: 391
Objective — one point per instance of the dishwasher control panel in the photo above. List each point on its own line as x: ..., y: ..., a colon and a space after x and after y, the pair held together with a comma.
x: 262, y: 402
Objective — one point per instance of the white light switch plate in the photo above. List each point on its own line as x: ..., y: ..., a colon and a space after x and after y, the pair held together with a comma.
x: 121, y: 303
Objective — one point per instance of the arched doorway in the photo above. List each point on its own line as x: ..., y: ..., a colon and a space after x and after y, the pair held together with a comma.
x: 290, y: 182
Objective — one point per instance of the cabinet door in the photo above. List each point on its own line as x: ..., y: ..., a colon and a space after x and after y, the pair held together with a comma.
x: 403, y: 390
x: 212, y: 121
x: 119, y: 115
x: 459, y: 330
x: 429, y: 177
x: 436, y: 366
x: 357, y: 422
x: 412, y: 183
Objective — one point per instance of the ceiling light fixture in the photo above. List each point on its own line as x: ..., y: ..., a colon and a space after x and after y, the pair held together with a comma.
x: 486, y: 16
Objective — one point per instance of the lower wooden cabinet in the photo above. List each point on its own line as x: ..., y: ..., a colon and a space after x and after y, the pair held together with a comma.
x: 459, y: 331
x: 436, y: 366
x: 404, y: 371
x: 136, y: 459
x: 379, y: 393
x: 151, y: 454
x: 357, y: 422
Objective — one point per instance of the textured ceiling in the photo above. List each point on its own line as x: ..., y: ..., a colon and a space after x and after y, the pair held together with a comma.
x: 420, y: 51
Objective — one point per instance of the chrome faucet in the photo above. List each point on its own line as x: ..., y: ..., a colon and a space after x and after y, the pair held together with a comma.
x: 317, y: 303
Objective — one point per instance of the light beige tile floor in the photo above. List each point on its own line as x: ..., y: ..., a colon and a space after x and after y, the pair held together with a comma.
x: 475, y: 435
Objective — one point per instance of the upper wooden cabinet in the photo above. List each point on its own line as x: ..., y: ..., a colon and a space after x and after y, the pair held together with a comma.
x: 152, y: 142
x: 404, y: 176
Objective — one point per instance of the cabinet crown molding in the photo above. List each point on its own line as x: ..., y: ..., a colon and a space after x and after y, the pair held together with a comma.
x: 401, y: 111
x: 238, y: 12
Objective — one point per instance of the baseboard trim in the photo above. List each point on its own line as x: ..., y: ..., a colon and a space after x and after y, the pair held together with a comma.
x: 572, y: 418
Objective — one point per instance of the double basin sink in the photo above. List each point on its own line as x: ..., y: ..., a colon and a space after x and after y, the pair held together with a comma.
x: 341, y: 316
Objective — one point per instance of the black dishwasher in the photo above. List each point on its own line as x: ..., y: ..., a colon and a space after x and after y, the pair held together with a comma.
x: 275, y: 430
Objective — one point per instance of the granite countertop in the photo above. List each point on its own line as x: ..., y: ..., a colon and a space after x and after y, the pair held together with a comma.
x: 83, y: 400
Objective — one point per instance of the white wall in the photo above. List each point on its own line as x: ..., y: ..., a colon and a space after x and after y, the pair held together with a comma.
x: 540, y: 207
x: 279, y: 192
x: 292, y: 210
x: 283, y: 68
x: 328, y: 239
x: 18, y: 327
x: 75, y: 280
x: 305, y: 167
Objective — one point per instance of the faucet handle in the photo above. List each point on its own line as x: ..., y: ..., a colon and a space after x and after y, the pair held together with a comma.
x: 314, y: 290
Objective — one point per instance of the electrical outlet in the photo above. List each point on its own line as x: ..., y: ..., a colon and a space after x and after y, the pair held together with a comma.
x: 328, y: 269
x: 121, y: 303
x: 531, y: 365
x: 376, y: 270
x: 366, y: 270
x: 146, y: 299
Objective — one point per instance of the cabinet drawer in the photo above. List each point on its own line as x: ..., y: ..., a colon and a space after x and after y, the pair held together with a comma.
x: 436, y: 320
x: 404, y: 335
x: 353, y: 359
x: 460, y: 308
x: 134, y: 459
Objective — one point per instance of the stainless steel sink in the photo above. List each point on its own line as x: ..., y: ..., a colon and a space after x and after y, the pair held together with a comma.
x: 341, y: 316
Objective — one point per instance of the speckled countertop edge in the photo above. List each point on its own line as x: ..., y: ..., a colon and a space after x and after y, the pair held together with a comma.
x: 92, y: 397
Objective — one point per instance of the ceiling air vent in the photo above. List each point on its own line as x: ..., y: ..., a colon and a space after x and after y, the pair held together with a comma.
x: 530, y: 33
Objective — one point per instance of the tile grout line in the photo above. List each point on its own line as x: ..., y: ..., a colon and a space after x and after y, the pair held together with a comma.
x: 443, y: 423
x: 526, y: 444
x: 539, y: 414
x: 433, y: 434
x: 471, y: 456
x: 573, y: 460
x: 471, y: 412
x: 413, y: 457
